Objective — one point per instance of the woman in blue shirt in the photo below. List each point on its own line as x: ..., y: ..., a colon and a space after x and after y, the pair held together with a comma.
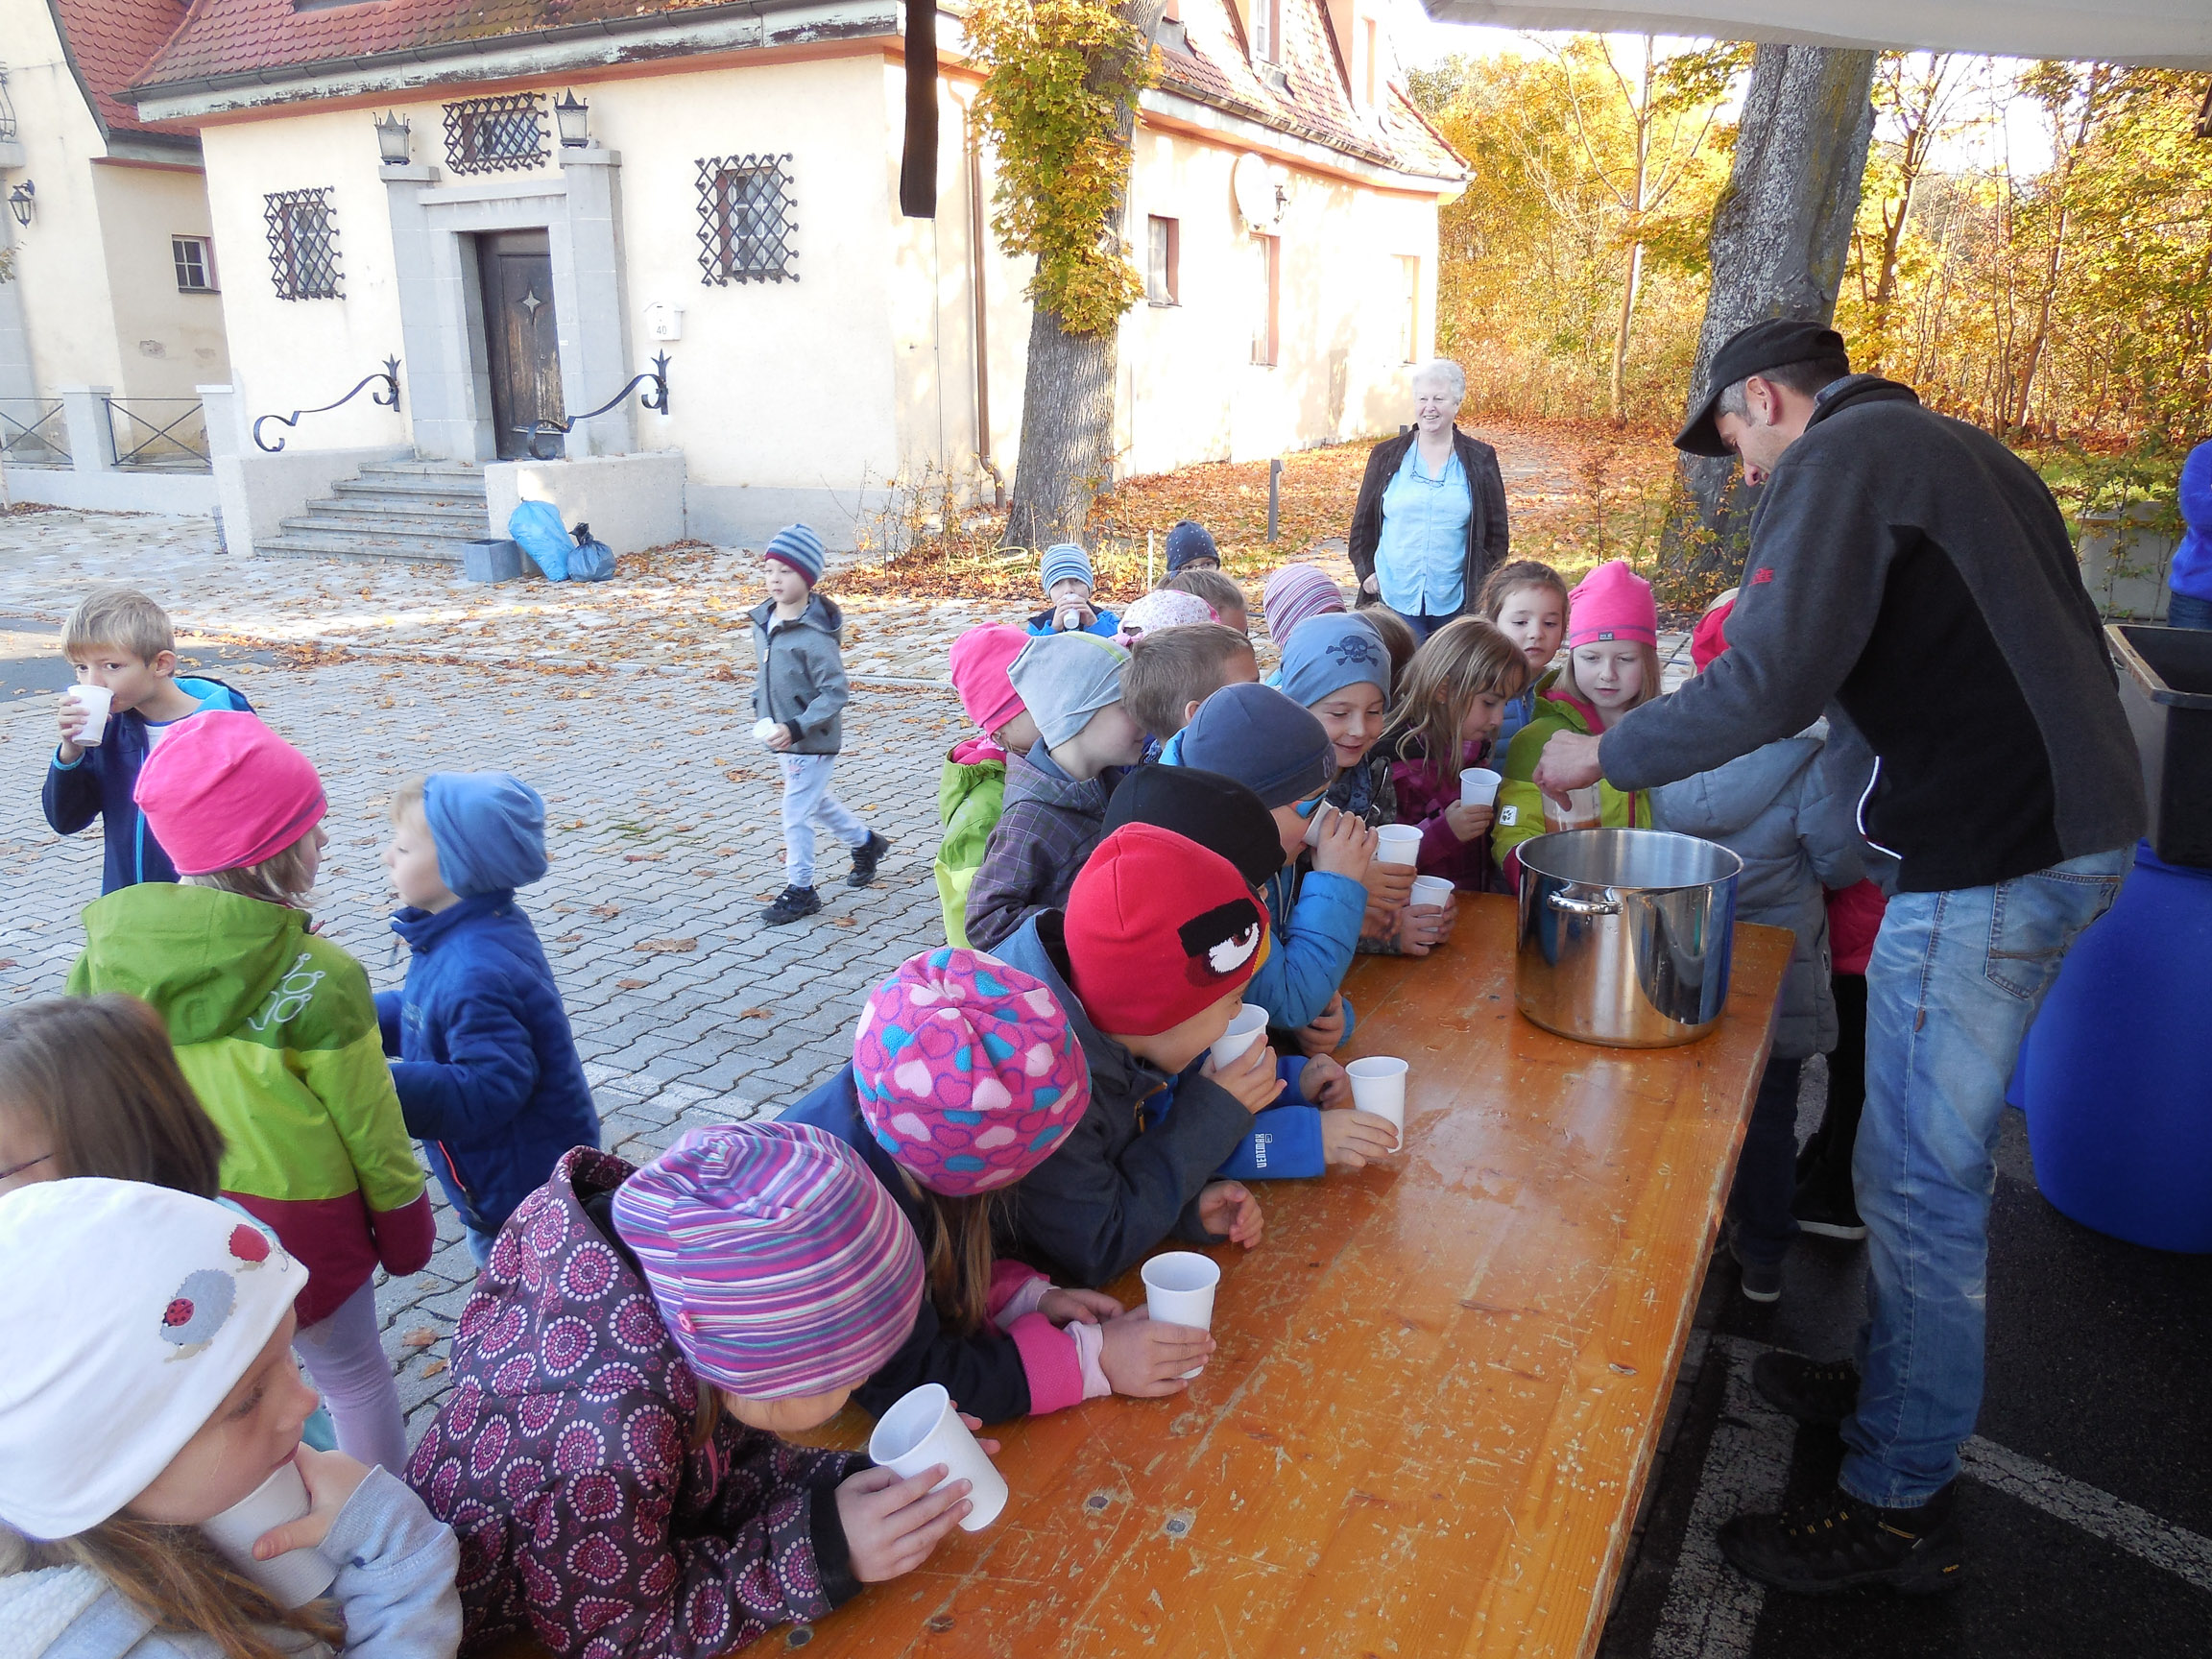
x: 1430, y: 519
x: 2190, y: 581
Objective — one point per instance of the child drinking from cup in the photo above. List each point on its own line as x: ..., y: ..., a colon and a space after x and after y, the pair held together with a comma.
x: 1066, y: 575
x: 1462, y: 679
x: 125, y: 654
x: 1526, y: 601
x: 481, y: 1055
x: 276, y: 1030
x: 610, y: 1451
x: 152, y: 1391
x: 1612, y: 666
x: 964, y: 1078
x: 972, y: 790
x: 798, y: 694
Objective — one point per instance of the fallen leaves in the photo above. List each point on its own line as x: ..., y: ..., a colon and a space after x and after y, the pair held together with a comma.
x: 567, y: 938
x: 631, y: 984
x: 754, y: 1013
x: 433, y: 1368
x: 422, y: 1336
x: 666, y: 947
x: 643, y: 858
x: 607, y: 910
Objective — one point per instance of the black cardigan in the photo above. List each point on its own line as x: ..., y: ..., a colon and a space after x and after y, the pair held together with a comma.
x: 1486, y: 529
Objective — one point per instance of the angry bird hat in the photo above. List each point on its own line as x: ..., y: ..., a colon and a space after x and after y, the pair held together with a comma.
x: 1159, y: 929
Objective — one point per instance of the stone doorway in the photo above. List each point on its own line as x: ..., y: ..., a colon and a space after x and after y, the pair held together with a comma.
x: 521, y: 338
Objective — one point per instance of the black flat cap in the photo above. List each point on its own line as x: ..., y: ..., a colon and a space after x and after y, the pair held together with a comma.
x: 1217, y: 812
x: 1763, y: 346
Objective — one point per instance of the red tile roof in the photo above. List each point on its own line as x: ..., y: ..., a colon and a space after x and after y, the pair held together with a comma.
x: 109, y: 41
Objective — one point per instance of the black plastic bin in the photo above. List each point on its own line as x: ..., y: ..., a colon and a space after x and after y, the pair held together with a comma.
x: 2166, y: 686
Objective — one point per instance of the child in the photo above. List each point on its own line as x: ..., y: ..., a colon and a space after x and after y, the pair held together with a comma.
x: 1056, y: 793
x: 1526, y: 601
x: 1065, y: 575
x: 1462, y: 679
x: 1161, y: 608
x: 1191, y: 548
x: 1257, y: 735
x: 1293, y: 593
x: 1612, y: 666
x: 1773, y: 809
x: 1172, y: 671
x: 276, y: 1032
x: 1222, y: 596
x: 964, y: 1077
x: 609, y: 1452
x: 120, y: 640
x: 484, y: 1061
x: 1826, y: 1203
x: 798, y: 683
x: 158, y: 1393
x: 972, y: 790
x: 1150, y: 963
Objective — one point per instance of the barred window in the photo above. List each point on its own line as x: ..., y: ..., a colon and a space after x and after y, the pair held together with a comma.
x: 496, y: 134
x: 745, y: 223
x: 303, y: 244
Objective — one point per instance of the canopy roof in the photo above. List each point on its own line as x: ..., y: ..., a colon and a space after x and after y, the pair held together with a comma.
x: 2171, y: 34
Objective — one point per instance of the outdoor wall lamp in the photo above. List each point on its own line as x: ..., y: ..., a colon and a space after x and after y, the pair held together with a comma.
x: 570, y: 114
x: 22, y: 199
x: 392, y: 136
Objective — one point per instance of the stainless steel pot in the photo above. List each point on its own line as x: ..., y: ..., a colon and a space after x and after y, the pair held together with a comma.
x: 1624, y: 935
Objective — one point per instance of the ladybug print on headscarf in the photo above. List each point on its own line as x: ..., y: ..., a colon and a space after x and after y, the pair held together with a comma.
x: 1219, y: 942
x: 203, y: 1303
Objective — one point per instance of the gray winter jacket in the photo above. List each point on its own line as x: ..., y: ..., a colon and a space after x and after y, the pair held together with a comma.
x: 1776, y: 809
x: 395, y: 1588
x: 799, y: 674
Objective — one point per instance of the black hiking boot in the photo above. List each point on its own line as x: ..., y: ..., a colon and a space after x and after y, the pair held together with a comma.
x: 1827, y: 1216
x: 1821, y: 1392
x: 792, y: 905
x: 1837, y: 1542
x: 865, y: 857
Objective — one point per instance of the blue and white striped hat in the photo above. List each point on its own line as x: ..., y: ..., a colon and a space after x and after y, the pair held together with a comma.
x: 1063, y: 560
x: 798, y: 547
x: 780, y: 1264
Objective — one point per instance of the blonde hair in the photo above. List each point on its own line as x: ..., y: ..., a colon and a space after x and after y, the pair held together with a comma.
x: 1217, y: 588
x: 408, y: 798
x: 1462, y: 660
x: 281, y: 880
x: 118, y: 617
x: 1515, y: 575
x: 1649, y: 655
x: 173, y: 1575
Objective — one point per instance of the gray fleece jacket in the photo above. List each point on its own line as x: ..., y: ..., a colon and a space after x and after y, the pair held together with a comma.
x: 1915, y: 573
x: 799, y: 674
x: 1776, y: 809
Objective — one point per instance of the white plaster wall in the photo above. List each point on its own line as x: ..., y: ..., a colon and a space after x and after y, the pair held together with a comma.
x: 167, y: 341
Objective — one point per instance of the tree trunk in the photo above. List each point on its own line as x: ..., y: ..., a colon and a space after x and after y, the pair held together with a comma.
x: 1781, y: 234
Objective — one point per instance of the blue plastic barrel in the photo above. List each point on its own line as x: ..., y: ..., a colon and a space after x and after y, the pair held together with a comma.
x: 2116, y: 1074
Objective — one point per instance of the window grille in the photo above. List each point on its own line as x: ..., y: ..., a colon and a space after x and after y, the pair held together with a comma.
x: 303, y: 244
x: 496, y: 134
x: 195, y: 264
x: 745, y: 223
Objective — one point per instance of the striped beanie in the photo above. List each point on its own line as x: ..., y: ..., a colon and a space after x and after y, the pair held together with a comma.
x: 1063, y: 560
x: 781, y: 1266
x: 966, y: 1071
x: 798, y: 547
x: 1293, y: 593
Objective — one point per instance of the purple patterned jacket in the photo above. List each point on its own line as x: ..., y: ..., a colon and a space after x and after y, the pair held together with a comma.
x: 561, y: 1459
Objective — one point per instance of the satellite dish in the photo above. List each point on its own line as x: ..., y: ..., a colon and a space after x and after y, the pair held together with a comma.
x: 1254, y: 185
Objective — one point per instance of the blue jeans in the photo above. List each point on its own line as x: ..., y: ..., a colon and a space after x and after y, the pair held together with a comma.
x: 480, y: 1244
x: 1955, y: 979
x: 2187, y: 610
x: 1426, y: 622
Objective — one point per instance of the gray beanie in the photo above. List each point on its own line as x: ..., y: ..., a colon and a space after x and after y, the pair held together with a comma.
x: 1064, y: 678
x: 1263, y: 740
x: 1063, y: 560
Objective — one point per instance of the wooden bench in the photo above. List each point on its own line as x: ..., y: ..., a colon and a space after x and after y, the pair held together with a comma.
x: 1439, y: 1382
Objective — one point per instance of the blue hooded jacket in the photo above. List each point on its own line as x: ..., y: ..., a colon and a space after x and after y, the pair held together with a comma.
x: 100, y: 782
x: 485, y: 1063
x: 2192, y: 570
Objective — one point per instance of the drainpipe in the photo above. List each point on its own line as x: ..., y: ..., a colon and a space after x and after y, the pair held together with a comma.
x: 976, y: 252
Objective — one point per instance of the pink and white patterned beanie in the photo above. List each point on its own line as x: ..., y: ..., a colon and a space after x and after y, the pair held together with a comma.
x: 967, y: 1072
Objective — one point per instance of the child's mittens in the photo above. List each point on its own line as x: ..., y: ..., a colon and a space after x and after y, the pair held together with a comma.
x: 405, y: 1237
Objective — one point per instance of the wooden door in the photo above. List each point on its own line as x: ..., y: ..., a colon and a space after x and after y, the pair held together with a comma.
x: 521, y: 344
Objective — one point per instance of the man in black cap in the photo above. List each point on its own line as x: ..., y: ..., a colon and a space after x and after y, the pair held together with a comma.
x: 1908, y: 574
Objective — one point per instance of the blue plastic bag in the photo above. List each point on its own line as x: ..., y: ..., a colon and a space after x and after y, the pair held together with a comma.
x: 591, y: 559
x: 536, y: 527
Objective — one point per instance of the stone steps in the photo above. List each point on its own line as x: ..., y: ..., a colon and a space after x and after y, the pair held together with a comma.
x: 393, y: 512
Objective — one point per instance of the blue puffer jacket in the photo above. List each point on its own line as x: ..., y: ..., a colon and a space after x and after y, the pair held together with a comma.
x: 487, y: 1070
x: 100, y: 782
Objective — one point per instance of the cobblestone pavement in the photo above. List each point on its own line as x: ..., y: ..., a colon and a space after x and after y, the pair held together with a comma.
x: 665, y: 842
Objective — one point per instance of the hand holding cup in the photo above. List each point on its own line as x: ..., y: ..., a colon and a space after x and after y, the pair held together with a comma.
x: 1145, y: 1357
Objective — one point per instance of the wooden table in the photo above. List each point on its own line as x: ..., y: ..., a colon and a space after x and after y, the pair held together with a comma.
x: 1438, y: 1383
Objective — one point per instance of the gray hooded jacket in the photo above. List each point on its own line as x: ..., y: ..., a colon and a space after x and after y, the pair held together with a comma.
x: 799, y: 674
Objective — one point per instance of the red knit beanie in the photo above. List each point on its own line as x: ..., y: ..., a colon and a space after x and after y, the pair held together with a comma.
x: 1159, y: 929
x: 223, y: 791
x: 1612, y: 602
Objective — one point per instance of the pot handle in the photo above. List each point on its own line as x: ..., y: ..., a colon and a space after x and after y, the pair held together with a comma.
x: 1609, y: 905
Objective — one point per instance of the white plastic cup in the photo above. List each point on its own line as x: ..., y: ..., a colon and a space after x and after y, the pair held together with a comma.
x: 1070, y: 620
x: 763, y: 730
x: 1317, y: 823
x: 1179, y: 1290
x: 1584, y: 810
x: 1378, y: 1086
x: 293, y: 1579
x: 1478, y: 787
x: 1400, y: 843
x: 95, y: 701
x: 923, y: 1431
x: 1430, y: 890
x: 1246, y: 1029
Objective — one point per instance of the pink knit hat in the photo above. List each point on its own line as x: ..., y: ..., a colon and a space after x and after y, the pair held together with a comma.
x: 966, y: 1071
x: 1612, y: 602
x: 1295, y: 592
x: 222, y: 791
x: 980, y: 659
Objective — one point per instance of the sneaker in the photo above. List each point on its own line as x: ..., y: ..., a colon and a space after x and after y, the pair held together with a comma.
x: 791, y: 905
x: 1759, y: 1281
x: 1838, y: 1542
x: 1827, y: 1218
x: 1822, y: 1392
x: 865, y: 857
